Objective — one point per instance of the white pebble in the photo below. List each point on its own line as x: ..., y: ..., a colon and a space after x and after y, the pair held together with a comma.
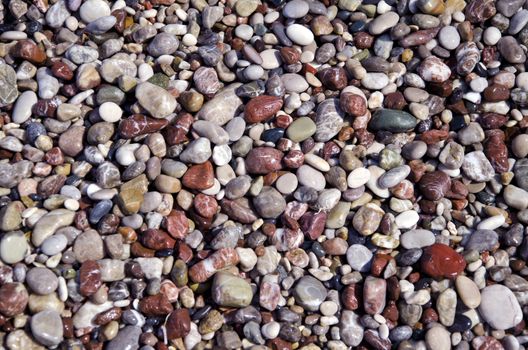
x: 491, y: 36
x: 110, y: 112
x: 189, y: 40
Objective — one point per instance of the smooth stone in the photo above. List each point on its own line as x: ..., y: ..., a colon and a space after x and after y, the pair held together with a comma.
x: 516, y: 197
x: 351, y: 329
x: 85, y: 315
x: 296, y: 9
x: 231, y: 291
x: 446, y: 306
x: 511, y: 50
x: 294, y: 82
x: 518, y: 22
x: 163, y: 44
x: 359, y: 257
x: 482, y: 240
x: 110, y: 112
x: 311, y: 177
x: 269, y: 203
x: 156, y: 100
x: 375, y: 81
x: 499, y: 307
x: 41, y: 280
x: 392, y: 120
x: 407, y: 219
x: 449, y: 37
x: 394, y: 176
x: 211, y: 131
x: 23, y: 106
x: 358, y: 177
x: 10, y: 217
x: 93, y: 9
x: 301, y: 129
x: 54, y: 244
x: 223, y: 107
x: 433, y: 69
x: 127, y: 339
x: 384, y: 22
x: 468, y: 291
x: 438, y: 338
x: 309, y: 293
x: 417, y: 238
x: 197, y: 152
x: 491, y: 223
x: 57, y: 14
x: 300, y: 34
x: 50, y: 223
x: 101, y: 25
x: 47, y: 328
x: 13, y: 247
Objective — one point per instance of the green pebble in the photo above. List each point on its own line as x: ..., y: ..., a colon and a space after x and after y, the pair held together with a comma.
x: 392, y: 120
x: 301, y: 129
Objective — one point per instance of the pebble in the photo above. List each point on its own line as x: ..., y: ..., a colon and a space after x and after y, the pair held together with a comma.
x: 231, y: 291
x: 309, y: 293
x: 23, y: 106
x: 359, y: 257
x: 499, y: 307
x: 299, y: 34
x: 269, y: 174
x: 417, y: 238
x: 41, y: 280
x: 47, y: 327
x: 13, y: 247
x: 156, y: 100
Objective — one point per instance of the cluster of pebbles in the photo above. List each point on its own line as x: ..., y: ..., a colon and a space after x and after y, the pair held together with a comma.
x: 277, y: 175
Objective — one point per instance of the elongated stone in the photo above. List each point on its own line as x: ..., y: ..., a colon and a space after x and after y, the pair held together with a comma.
x: 49, y: 223
x: 223, y: 107
x: 392, y: 120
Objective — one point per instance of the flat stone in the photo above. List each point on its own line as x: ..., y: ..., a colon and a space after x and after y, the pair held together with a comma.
x: 311, y: 177
x: 299, y: 34
x: 223, y: 107
x: 46, y: 327
x: 499, y: 307
x: 374, y: 294
x: 42, y: 280
x: 309, y: 293
x: 392, y: 120
x: 417, y: 238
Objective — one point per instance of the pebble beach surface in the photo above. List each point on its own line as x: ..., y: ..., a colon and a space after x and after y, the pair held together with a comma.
x: 263, y: 174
